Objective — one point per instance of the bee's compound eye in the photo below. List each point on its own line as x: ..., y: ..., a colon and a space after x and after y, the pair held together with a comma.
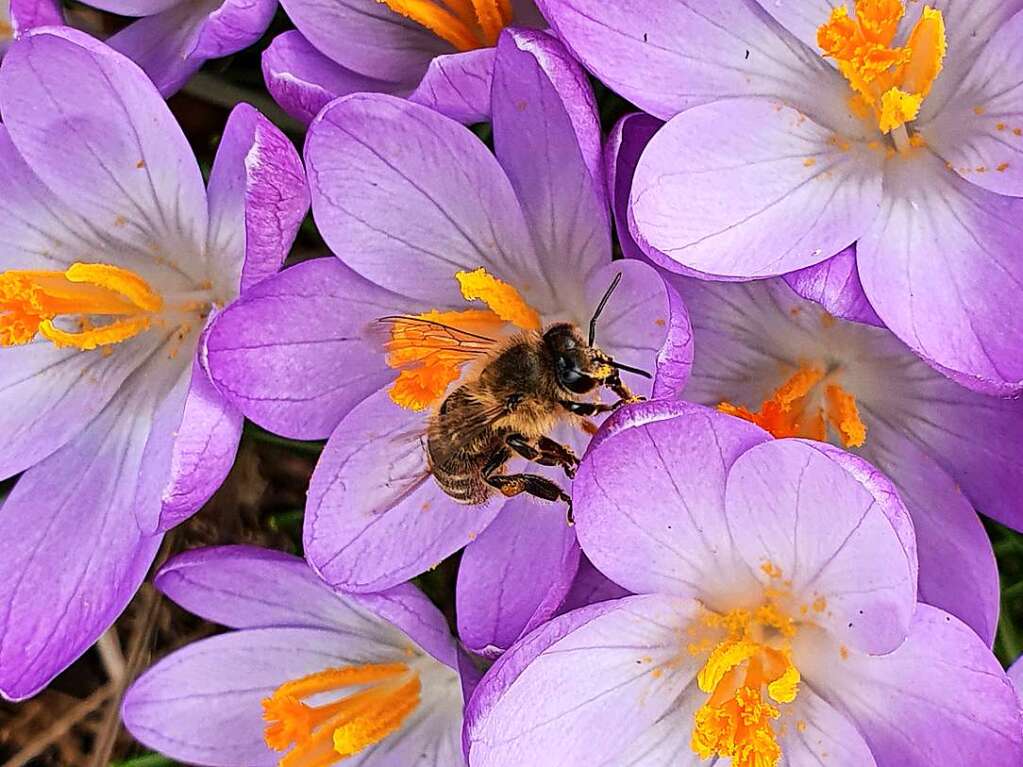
x: 571, y: 377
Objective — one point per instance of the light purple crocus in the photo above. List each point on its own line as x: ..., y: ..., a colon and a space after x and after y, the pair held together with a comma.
x: 775, y: 620
x: 408, y: 200
x: 772, y: 162
x: 437, y: 53
x: 309, y: 678
x: 949, y: 450
x: 169, y: 39
x: 113, y: 258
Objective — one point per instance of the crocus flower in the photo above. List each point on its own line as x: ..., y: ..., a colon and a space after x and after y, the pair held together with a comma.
x: 765, y: 354
x: 114, y: 256
x: 438, y: 53
x: 426, y: 220
x: 169, y: 39
x: 775, y: 619
x: 309, y: 678
x: 797, y: 128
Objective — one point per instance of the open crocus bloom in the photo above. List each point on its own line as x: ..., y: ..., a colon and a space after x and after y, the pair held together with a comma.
x: 426, y: 220
x: 439, y: 53
x: 310, y: 678
x: 797, y: 128
x: 775, y: 624
x: 114, y: 257
x: 170, y: 39
x: 796, y: 369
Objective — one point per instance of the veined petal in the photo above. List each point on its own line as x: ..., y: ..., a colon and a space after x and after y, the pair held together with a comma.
x: 26, y: 14
x: 375, y: 517
x: 590, y: 587
x: 234, y: 25
x: 624, y: 146
x: 835, y: 285
x: 458, y: 85
x: 816, y: 732
x: 126, y: 168
x: 803, y: 17
x: 133, y: 8
x: 751, y: 188
x: 940, y: 267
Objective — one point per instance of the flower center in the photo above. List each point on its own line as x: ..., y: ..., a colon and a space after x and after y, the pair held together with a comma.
x: 749, y: 666
x: 430, y: 348
x: 466, y: 24
x: 795, y: 409
x: 889, y: 80
x: 385, y: 696
x: 108, y: 303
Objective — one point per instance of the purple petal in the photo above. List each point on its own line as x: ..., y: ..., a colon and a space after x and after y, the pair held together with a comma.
x: 235, y: 25
x: 514, y: 576
x: 125, y: 166
x: 189, y: 453
x: 590, y: 587
x: 367, y: 37
x: 625, y: 144
x: 583, y: 698
x: 74, y: 556
x: 26, y: 14
x: 303, y: 81
x: 257, y: 197
x: 374, y: 516
x: 750, y: 188
x: 940, y: 698
x: 668, y: 533
x: 822, y: 734
x: 407, y: 608
x: 547, y: 139
x: 940, y: 267
x: 134, y: 7
x: 835, y: 285
x: 293, y: 354
x: 408, y: 220
x: 458, y: 85
x: 792, y: 507
x: 1015, y: 674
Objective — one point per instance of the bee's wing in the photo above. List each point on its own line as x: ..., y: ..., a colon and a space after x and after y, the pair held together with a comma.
x: 410, y: 340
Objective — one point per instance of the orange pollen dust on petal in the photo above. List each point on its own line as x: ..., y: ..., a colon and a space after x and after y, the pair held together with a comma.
x: 744, y: 676
x: 318, y: 736
x: 430, y: 349
x: 31, y: 301
x: 788, y: 411
x: 892, y: 80
x: 465, y: 24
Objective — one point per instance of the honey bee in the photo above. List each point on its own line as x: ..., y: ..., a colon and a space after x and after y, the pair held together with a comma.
x: 520, y: 390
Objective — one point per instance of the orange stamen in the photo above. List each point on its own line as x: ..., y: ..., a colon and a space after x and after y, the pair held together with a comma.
x: 325, y: 734
x: 465, y: 24
x: 504, y: 300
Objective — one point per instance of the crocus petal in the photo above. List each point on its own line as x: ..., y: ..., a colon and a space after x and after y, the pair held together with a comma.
x: 585, y: 697
x: 125, y: 166
x: 1015, y: 674
x: 73, y: 556
x: 547, y: 139
x: 293, y: 354
x: 366, y: 36
x: 257, y: 197
x: 189, y: 452
x: 514, y: 576
x: 458, y: 85
x: 625, y: 144
x: 802, y: 17
x: 26, y: 14
x: 666, y: 533
x: 396, y: 184
x: 303, y: 81
x: 835, y: 285
x: 792, y: 508
x: 940, y: 698
x: 203, y: 703
x: 134, y: 7
x: 979, y: 132
x: 590, y: 587
x: 410, y: 610
x: 668, y: 58
x: 958, y: 572
x: 374, y: 516
x: 816, y: 733
x: 940, y: 266
x: 750, y: 188
x: 162, y: 44
x: 235, y: 25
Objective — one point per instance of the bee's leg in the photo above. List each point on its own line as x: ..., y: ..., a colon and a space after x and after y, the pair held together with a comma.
x: 587, y: 409
x: 625, y: 396
x: 545, y: 452
x: 511, y: 485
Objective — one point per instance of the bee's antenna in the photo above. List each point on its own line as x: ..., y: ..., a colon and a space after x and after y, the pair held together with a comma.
x: 600, y: 307
x: 629, y: 369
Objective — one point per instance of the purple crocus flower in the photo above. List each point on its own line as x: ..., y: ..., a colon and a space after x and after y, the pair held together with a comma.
x: 309, y: 678
x: 410, y: 200
x: 438, y: 53
x: 948, y: 450
x: 113, y: 258
x: 797, y: 128
x: 775, y: 620
x: 170, y: 39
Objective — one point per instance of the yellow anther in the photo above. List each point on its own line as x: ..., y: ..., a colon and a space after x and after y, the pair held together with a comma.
x: 844, y: 415
x: 504, y: 300
x: 897, y: 109
x: 465, y: 24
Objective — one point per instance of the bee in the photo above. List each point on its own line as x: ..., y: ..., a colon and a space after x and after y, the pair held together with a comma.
x: 521, y: 389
